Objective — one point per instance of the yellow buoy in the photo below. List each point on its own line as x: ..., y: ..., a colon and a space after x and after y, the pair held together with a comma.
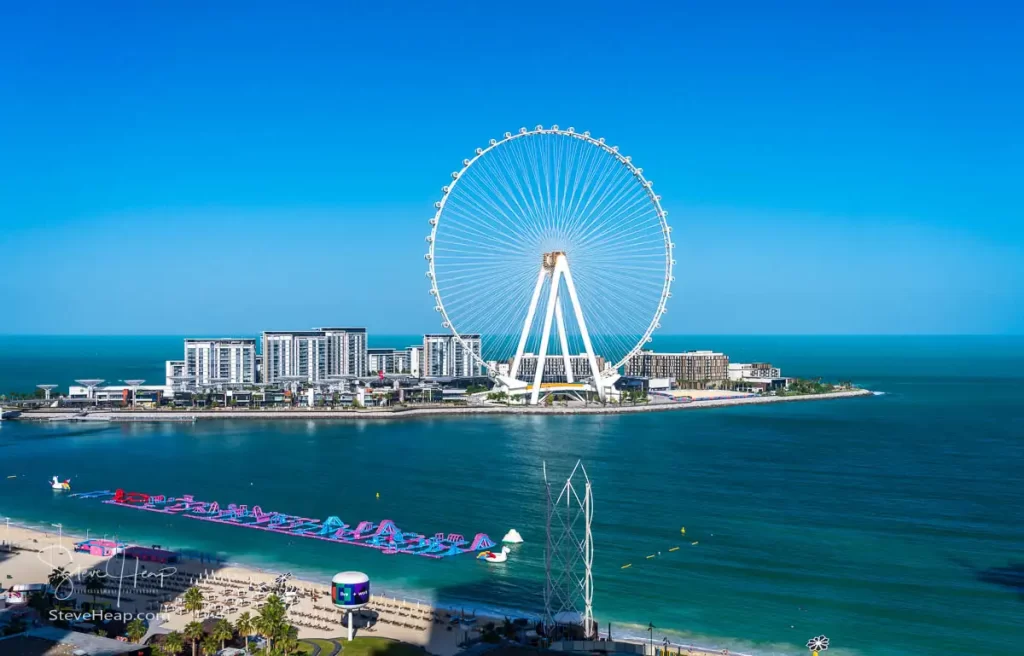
x: 682, y: 530
x: 378, y: 495
x: 626, y: 566
x: 674, y: 549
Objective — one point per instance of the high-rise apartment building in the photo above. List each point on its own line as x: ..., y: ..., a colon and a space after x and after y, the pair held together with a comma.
x: 220, y: 360
x: 314, y: 355
x: 444, y: 356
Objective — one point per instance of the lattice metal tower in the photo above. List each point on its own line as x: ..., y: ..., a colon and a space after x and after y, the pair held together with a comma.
x: 569, y: 555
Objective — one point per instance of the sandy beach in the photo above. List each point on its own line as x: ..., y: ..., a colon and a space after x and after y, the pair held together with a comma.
x: 229, y: 591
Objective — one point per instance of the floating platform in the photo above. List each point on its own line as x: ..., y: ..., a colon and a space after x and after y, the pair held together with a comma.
x: 383, y: 536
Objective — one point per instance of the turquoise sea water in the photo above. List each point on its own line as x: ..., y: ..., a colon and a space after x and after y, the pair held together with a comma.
x: 892, y: 524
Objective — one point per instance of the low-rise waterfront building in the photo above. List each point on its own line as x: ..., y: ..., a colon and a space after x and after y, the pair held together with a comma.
x: 554, y: 368
x: 148, y: 395
x: 697, y: 368
x: 220, y: 360
x: 445, y: 356
x: 756, y: 377
x: 753, y: 371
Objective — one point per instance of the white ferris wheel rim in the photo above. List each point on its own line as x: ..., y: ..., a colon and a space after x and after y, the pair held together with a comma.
x: 637, y: 172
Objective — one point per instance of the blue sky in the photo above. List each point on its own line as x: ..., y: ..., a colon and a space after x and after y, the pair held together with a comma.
x: 189, y: 167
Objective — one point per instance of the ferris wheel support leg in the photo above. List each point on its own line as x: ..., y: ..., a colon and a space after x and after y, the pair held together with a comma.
x: 514, y: 374
x: 545, y: 336
x: 560, y: 322
x: 562, y: 268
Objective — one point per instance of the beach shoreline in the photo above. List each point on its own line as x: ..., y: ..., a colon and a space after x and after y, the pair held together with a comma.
x: 37, y: 551
x: 129, y: 415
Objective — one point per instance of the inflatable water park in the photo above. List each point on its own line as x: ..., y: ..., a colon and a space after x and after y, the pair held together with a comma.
x: 383, y: 535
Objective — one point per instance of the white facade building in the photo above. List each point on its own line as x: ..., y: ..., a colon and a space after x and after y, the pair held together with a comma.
x: 174, y: 374
x: 221, y: 360
x: 415, y: 356
x: 314, y: 354
x: 755, y: 371
x: 444, y: 356
x: 113, y: 394
x: 395, y: 361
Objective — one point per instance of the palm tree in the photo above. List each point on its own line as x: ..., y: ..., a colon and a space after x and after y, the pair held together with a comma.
x: 289, y: 642
x: 57, y: 577
x: 136, y: 629
x: 194, y: 600
x: 194, y: 632
x: 222, y: 632
x: 271, y: 621
x: 245, y: 626
x: 173, y: 643
x: 210, y: 645
x: 93, y: 585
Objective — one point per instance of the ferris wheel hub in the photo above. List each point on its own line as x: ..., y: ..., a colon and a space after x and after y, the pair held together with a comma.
x: 548, y: 260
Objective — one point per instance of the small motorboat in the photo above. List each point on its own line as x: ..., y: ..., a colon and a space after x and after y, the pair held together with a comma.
x: 55, y: 484
x: 495, y: 557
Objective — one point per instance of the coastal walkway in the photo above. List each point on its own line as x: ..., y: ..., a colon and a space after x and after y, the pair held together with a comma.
x: 656, y: 405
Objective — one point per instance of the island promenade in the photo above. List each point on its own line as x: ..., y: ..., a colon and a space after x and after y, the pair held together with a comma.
x: 411, y: 412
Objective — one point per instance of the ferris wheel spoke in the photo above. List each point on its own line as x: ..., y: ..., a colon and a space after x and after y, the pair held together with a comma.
x: 513, y: 179
x: 467, y: 239
x: 624, y: 220
x: 484, y: 217
x: 638, y: 242
x: 477, y: 190
x: 476, y: 223
x: 604, y: 184
x: 607, y: 206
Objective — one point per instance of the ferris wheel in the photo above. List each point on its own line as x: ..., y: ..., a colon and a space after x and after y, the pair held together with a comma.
x: 550, y: 228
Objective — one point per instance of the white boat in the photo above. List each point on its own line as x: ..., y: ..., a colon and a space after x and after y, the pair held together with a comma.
x: 512, y: 537
x: 495, y: 557
x: 56, y: 484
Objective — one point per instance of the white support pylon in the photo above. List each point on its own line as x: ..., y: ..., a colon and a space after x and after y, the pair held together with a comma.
x: 556, y: 265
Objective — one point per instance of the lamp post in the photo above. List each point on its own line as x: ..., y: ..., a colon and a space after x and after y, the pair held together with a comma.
x: 134, y: 384
x: 60, y: 534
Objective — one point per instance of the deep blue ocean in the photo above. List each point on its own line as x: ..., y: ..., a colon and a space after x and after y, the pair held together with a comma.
x: 893, y: 524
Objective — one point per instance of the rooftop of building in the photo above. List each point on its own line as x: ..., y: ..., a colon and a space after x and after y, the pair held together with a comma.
x: 219, y: 340
x: 295, y: 333
x: 714, y: 353
x: 51, y: 641
x: 463, y: 336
